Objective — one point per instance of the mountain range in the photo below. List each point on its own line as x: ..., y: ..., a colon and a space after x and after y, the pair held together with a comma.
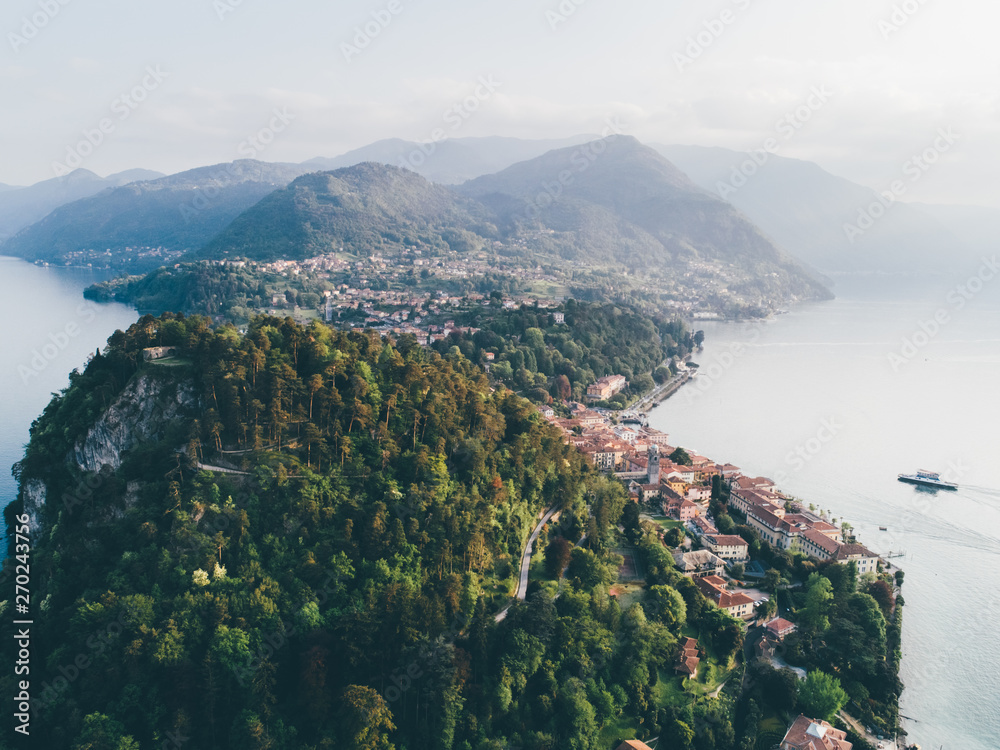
x: 632, y: 204
x: 22, y: 206
x: 180, y: 212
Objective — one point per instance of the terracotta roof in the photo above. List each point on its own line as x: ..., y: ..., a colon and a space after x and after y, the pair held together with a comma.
x: 822, y: 541
x: 809, y: 734
x: 689, y: 666
x: 847, y: 551
x: 726, y: 540
x: 633, y: 745
x: 780, y: 625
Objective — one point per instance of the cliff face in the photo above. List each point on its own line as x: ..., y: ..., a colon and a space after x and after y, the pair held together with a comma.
x: 139, y: 415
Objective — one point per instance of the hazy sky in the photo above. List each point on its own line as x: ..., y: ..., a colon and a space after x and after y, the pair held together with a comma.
x: 893, y: 74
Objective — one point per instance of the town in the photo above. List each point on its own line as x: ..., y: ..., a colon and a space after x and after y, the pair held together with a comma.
x: 676, y: 488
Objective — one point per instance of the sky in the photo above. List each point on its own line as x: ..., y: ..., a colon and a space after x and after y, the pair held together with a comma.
x: 859, y: 86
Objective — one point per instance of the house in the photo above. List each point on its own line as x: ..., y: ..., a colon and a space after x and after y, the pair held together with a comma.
x: 728, y: 471
x: 606, y: 387
x: 864, y: 558
x: 735, y: 603
x: 810, y: 734
x: 649, y: 492
x: 698, y: 494
x: 688, y: 658
x: 685, y: 511
x: 728, y: 547
x: 633, y: 745
x: 818, y: 545
x: 559, y: 318
x: 780, y: 628
x: 766, y: 648
x: 754, y: 483
x: 700, y: 526
x: 154, y: 353
x: 699, y: 563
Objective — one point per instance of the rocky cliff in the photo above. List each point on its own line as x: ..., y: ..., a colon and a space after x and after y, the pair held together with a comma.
x: 140, y: 414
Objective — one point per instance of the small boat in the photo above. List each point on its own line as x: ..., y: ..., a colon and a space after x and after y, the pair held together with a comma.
x: 928, y: 479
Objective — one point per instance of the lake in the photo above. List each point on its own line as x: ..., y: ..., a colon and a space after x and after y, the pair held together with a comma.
x: 833, y: 400
x: 48, y: 329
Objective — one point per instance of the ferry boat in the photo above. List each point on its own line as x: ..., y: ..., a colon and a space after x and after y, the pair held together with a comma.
x: 928, y: 479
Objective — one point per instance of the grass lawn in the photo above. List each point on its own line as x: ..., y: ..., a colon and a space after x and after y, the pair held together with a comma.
x: 537, y: 574
x: 628, y: 593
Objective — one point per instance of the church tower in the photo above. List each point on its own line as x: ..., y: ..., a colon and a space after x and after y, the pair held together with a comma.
x: 653, y: 468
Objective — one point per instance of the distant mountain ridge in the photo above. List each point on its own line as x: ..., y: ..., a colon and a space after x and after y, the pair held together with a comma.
x: 21, y: 207
x: 449, y: 162
x: 630, y: 204
x: 805, y: 209
x: 366, y: 207
x: 181, y: 212
x: 626, y: 209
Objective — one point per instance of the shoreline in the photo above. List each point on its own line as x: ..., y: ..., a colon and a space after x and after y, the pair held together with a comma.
x: 653, y: 400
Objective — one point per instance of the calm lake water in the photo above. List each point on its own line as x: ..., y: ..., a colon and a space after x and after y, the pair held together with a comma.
x: 47, y: 330
x: 813, y: 400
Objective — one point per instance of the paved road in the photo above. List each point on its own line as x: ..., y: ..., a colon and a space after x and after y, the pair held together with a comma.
x: 221, y: 469
x: 522, y: 584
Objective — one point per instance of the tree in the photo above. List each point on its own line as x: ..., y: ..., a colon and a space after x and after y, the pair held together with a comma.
x: 680, y: 456
x: 667, y: 605
x: 557, y: 556
x: 821, y: 696
x: 674, y: 537
x: 882, y: 593
x: 366, y: 718
x: 587, y: 569
x: 819, y: 594
x: 101, y: 732
x: 630, y: 522
x: 772, y: 579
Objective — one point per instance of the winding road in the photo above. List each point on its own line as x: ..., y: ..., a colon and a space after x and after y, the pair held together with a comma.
x: 522, y: 583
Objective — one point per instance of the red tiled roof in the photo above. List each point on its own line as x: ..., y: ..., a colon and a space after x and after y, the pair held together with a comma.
x: 809, y: 734
x: 726, y: 540
x: 633, y: 745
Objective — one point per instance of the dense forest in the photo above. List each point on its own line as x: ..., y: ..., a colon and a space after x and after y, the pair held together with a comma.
x: 340, y: 588
x: 546, y: 360
x: 228, y: 291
